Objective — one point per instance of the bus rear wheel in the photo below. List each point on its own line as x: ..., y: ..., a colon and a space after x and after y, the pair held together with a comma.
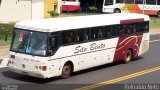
x: 117, y: 11
x: 66, y: 71
x: 158, y: 14
x: 128, y: 56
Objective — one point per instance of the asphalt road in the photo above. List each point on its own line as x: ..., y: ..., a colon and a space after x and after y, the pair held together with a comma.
x: 92, y: 76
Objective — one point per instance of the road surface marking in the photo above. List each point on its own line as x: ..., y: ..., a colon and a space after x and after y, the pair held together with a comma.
x: 155, y: 40
x: 119, y: 79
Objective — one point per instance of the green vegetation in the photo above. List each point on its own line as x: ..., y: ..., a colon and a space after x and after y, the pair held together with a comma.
x: 6, y: 28
x: 155, y: 23
x: 53, y: 13
x: 5, y: 33
x: 93, y: 9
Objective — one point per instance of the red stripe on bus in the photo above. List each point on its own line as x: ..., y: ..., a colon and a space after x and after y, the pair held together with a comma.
x: 150, y: 12
x: 126, y: 42
x: 131, y: 21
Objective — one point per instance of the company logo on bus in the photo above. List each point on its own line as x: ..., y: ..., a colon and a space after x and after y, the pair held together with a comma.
x: 93, y: 47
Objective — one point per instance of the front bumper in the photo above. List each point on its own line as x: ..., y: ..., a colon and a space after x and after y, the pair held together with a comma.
x: 38, y: 74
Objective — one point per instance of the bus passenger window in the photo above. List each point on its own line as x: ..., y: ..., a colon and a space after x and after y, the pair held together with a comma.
x: 86, y: 35
x: 77, y: 36
x: 146, y: 26
x: 129, y: 1
x: 100, y: 34
x: 141, y: 27
x: 94, y: 33
x: 138, y: 1
x: 119, y: 1
x: 113, y: 30
x: 151, y: 2
x: 123, y: 29
x: 108, y: 2
x: 68, y: 37
x: 158, y: 2
x: 106, y: 32
x: 130, y: 29
x: 135, y: 28
x: 82, y: 35
x: 118, y: 30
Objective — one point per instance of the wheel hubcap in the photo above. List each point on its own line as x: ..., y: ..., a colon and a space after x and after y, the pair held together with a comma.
x: 66, y: 70
x: 128, y: 56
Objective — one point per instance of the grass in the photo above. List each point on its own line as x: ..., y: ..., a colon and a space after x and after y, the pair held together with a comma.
x: 155, y: 23
x: 6, y: 29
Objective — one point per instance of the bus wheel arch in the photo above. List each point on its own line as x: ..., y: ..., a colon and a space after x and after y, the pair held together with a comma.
x: 158, y: 14
x: 67, y: 69
x: 117, y: 10
x: 128, y: 56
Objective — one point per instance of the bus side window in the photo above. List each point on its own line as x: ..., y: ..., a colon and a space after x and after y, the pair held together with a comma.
x: 77, y: 36
x: 86, y: 34
x: 123, y: 30
x: 105, y: 32
x: 82, y: 35
x: 130, y: 29
x: 118, y: 30
x: 108, y: 2
x: 100, y: 33
x: 141, y: 27
x: 135, y: 28
x: 158, y: 2
x: 113, y: 30
x: 119, y: 1
x: 151, y: 2
x: 146, y: 26
x: 94, y: 33
x: 68, y: 37
x: 110, y: 31
x: 138, y: 1
x: 129, y: 1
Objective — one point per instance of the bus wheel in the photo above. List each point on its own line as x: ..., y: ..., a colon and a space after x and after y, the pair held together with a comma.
x: 128, y: 56
x: 158, y: 14
x: 117, y: 11
x: 66, y: 71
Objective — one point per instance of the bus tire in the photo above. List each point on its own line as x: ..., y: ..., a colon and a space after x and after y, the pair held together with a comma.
x: 128, y: 56
x: 117, y: 10
x: 66, y: 71
x: 158, y: 14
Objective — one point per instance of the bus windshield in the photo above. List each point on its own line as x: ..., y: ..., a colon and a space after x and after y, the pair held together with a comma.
x: 29, y: 42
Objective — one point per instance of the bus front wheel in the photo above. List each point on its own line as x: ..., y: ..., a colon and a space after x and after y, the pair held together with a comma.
x: 128, y: 56
x: 158, y: 14
x: 117, y: 10
x: 66, y: 71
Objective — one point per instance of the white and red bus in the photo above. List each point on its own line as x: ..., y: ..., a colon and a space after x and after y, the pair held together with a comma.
x: 57, y: 47
x: 70, y: 5
x: 149, y: 7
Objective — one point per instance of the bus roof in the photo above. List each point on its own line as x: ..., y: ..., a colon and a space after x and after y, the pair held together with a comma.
x: 68, y: 23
